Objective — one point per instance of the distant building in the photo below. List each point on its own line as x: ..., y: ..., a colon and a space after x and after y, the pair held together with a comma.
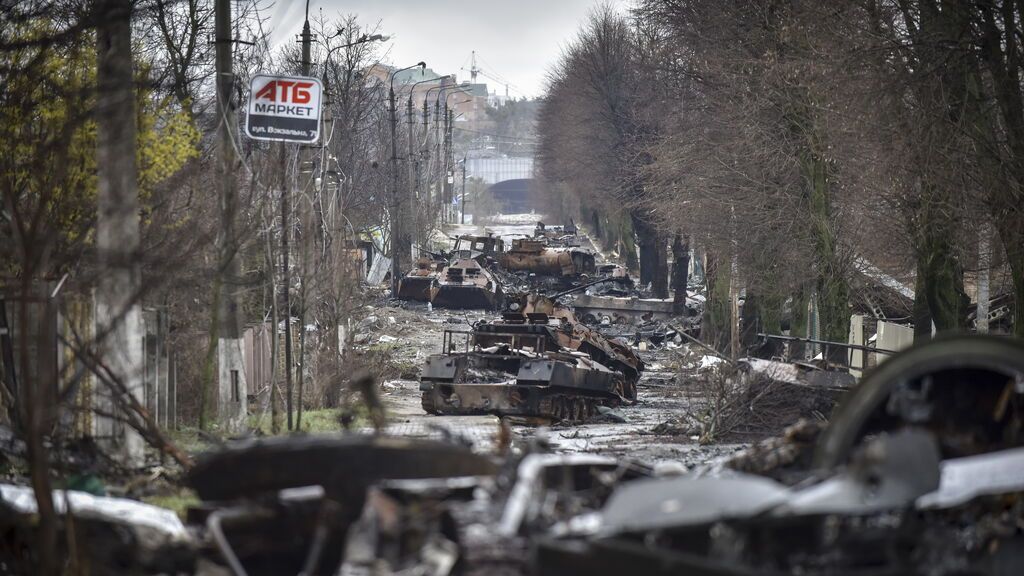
x: 471, y: 108
x: 469, y: 102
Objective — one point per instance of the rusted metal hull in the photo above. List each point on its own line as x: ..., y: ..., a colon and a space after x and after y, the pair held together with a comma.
x: 464, y: 296
x: 621, y: 310
x: 535, y: 256
x: 466, y: 284
x: 417, y: 288
x: 550, y: 262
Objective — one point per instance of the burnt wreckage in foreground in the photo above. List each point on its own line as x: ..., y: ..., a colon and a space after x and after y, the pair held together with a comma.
x: 920, y: 471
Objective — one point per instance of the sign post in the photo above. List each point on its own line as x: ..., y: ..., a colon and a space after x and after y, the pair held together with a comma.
x: 284, y: 109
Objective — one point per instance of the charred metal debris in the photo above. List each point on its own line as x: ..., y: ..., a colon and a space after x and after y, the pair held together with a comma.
x: 920, y: 470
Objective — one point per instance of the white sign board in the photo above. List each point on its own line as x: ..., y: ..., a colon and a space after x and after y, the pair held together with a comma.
x: 284, y: 108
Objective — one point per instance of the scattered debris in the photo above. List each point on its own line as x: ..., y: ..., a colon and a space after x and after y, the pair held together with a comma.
x: 110, y: 535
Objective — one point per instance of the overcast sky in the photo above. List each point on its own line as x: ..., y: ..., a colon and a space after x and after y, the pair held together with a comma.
x: 517, y: 40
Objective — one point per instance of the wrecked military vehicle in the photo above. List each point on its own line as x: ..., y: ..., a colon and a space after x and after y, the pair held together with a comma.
x: 535, y: 256
x: 537, y: 361
x: 564, y: 236
x: 457, y: 279
x: 517, y: 369
x: 420, y: 283
x: 286, y: 505
x: 465, y: 283
x: 484, y: 248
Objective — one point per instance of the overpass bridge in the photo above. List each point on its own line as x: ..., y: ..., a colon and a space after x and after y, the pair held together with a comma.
x: 509, y: 180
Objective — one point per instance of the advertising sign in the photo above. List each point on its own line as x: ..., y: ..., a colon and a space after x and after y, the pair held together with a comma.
x: 284, y: 109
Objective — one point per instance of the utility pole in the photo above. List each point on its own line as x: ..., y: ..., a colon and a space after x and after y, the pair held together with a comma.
x: 306, y: 40
x: 410, y: 183
x: 396, y: 198
x: 396, y: 218
x: 231, y: 396
x: 286, y: 292
x: 462, y: 219
x: 439, y: 190
x: 449, y: 164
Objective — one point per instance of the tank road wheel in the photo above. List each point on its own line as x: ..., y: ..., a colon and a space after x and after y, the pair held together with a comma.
x: 562, y: 413
x: 547, y: 407
x: 427, y: 401
x: 620, y: 388
x: 630, y: 390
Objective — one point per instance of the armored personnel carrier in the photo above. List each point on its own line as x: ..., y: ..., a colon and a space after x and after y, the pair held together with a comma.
x: 536, y: 361
x: 512, y: 369
x: 457, y: 279
x: 465, y: 283
x: 421, y: 282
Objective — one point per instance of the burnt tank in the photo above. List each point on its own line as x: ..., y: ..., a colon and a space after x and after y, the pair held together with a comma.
x: 537, y: 257
x: 517, y: 367
x: 577, y: 336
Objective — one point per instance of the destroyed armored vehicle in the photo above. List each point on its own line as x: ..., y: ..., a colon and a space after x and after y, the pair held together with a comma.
x: 518, y: 366
x: 537, y: 257
x: 484, y: 249
x: 285, y: 505
x: 557, y: 235
x: 421, y: 282
x: 465, y: 283
x: 577, y: 336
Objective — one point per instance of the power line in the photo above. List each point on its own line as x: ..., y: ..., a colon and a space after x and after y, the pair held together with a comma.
x: 530, y: 141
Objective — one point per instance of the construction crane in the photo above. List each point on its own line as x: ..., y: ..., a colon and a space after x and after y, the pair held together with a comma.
x: 475, y: 70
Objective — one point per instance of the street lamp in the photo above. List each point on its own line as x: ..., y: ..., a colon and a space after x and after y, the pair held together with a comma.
x: 448, y: 161
x: 396, y: 252
x: 414, y: 160
x: 462, y: 205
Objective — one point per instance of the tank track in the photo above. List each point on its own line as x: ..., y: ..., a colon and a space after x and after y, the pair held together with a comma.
x: 572, y: 408
x: 427, y: 401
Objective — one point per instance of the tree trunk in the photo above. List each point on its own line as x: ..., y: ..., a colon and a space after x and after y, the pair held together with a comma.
x: 984, y: 275
x: 922, y: 314
x: 716, y: 325
x: 832, y: 290
x: 1015, y: 258
x: 680, y: 269
x: 275, y: 408
x: 653, y: 255
x: 940, y: 269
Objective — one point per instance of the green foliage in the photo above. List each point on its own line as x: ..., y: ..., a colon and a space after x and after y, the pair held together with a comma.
x: 48, y: 162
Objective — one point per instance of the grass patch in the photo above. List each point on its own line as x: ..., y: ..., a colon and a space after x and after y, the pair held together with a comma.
x: 179, y: 501
x: 188, y: 439
x: 320, y: 421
